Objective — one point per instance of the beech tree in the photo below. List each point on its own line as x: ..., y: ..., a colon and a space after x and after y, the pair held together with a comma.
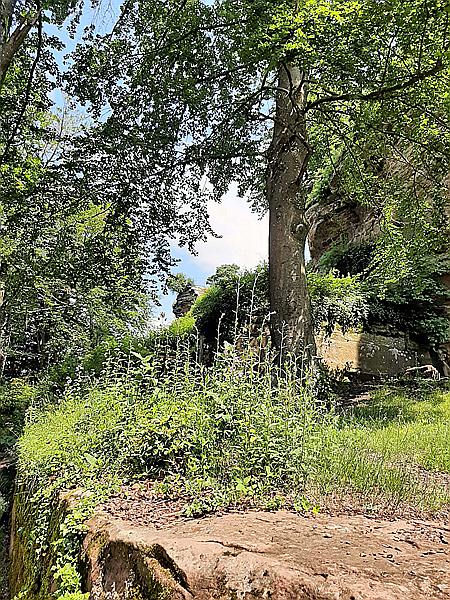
x: 262, y: 92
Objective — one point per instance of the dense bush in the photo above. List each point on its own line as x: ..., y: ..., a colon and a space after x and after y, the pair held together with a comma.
x: 415, y: 305
x: 188, y: 423
x: 119, y: 353
x: 342, y: 301
x: 16, y: 396
x: 347, y: 259
x: 412, y: 304
x: 237, y: 301
x: 179, y: 282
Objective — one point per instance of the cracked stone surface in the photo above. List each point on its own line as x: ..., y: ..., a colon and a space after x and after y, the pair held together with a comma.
x: 268, y: 555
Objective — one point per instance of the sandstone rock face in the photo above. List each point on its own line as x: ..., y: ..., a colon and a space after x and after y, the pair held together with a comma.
x: 335, y: 221
x: 185, y: 299
x: 370, y: 354
x: 279, y: 556
x: 24, y: 581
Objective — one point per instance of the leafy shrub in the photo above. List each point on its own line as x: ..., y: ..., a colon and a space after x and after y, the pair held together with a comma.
x: 237, y: 301
x: 179, y: 282
x: 337, y: 300
x: 411, y: 302
x: 181, y: 326
x: 118, y: 353
x: 414, y: 305
x: 423, y: 320
x: 240, y: 299
x: 93, y: 362
x: 223, y: 274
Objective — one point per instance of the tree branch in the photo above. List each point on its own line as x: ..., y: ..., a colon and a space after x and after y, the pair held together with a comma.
x: 9, y: 48
x: 29, y: 84
x: 382, y: 92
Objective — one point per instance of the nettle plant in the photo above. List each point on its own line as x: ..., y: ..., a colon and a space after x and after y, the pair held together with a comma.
x: 239, y: 432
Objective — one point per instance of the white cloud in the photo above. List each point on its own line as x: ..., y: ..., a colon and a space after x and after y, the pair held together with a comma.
x: 244, y: 238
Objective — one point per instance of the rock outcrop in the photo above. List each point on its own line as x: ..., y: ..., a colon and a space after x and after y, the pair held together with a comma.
x: 147, y: 554
x: 33, y: 558
x: 337, y: 221
x: 185, y: 300
x: 369, y: 354
x: 278, y: 556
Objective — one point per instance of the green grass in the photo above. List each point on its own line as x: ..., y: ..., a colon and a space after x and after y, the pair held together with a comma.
x: 408, y: 428
x: 228, y: 434
x: 233, y: 433
x: 394, y: 449
x: 413, y: 426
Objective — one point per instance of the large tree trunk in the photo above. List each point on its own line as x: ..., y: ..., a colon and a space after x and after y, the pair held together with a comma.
x: 291, y: 324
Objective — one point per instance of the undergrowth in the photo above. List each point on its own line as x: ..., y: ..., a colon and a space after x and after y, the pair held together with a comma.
x: 15, y: 397
x: 3, y: 565
x: 237, y: 432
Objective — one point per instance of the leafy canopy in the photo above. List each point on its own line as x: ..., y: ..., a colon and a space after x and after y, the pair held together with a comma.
x: 183, y: 91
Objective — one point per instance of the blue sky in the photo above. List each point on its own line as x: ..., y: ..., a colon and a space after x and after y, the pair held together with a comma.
x: 243, y: 241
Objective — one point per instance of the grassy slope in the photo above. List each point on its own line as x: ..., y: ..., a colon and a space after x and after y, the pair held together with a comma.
x: 242, y: 437
x: 410, y: 424
x: 223, y: 436
x: 397, y: 445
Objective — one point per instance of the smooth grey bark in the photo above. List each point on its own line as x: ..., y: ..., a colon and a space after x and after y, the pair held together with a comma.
x: 291, y: 322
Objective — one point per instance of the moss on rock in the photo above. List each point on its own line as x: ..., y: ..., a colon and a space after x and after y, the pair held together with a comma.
x: 115, y: 568
x: 34, y: 547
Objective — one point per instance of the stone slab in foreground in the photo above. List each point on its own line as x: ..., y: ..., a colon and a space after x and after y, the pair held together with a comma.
x: 277, y: 556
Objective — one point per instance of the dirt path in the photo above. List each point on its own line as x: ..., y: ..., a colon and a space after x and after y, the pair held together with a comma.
x: 274, y: 555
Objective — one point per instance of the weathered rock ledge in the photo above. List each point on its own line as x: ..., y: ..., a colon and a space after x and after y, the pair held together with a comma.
x: 258, y: 555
